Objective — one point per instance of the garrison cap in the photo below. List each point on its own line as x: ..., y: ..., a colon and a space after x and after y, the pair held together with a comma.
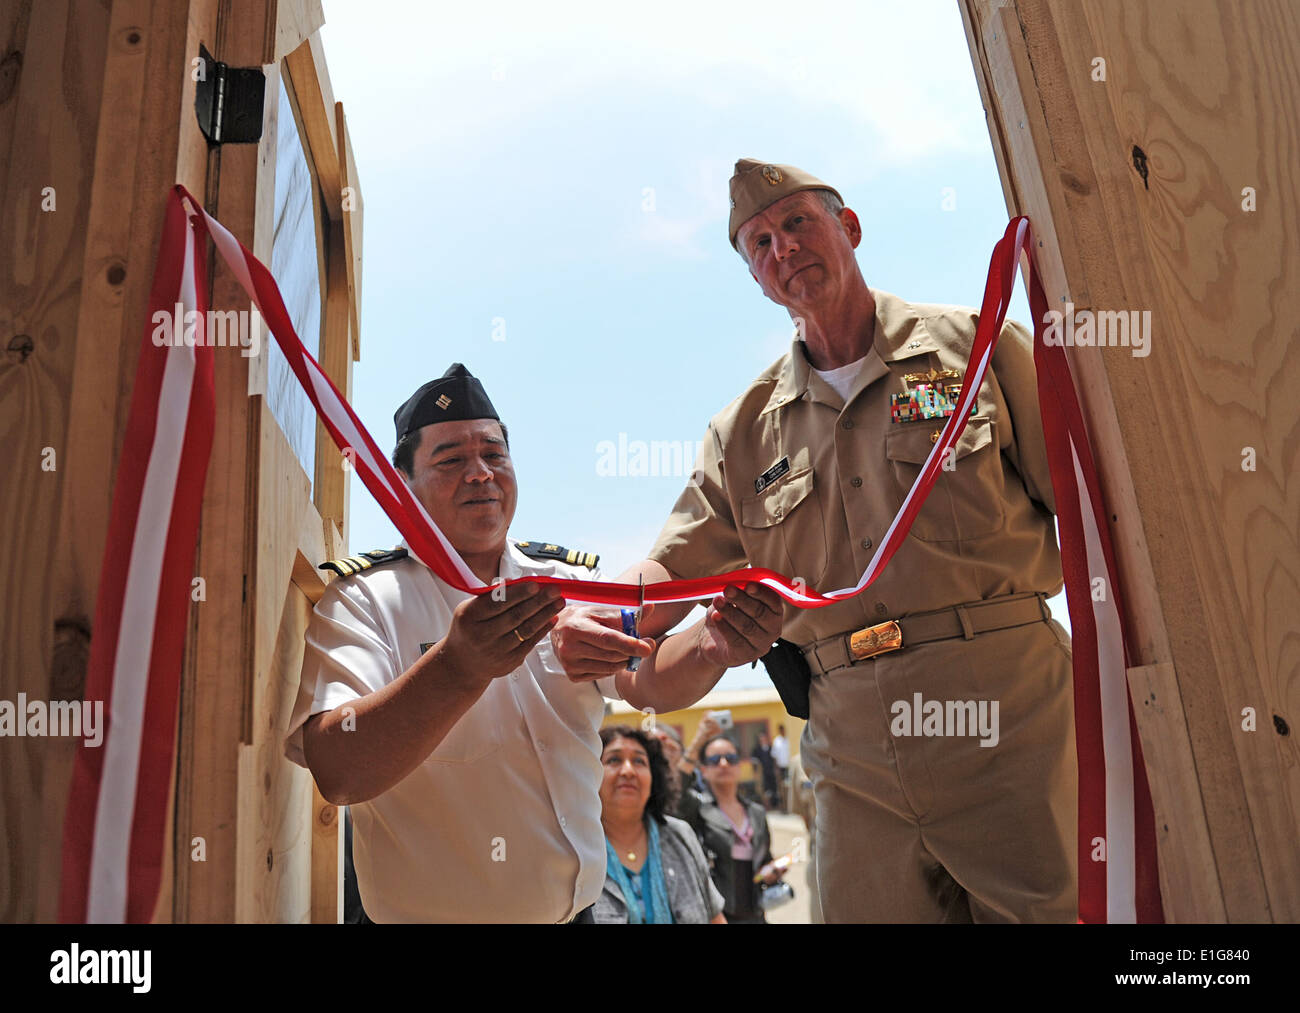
x: 453, y: 397
x: 758, y: 185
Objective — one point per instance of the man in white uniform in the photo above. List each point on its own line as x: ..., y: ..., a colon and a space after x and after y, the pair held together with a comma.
x: 470, y: 761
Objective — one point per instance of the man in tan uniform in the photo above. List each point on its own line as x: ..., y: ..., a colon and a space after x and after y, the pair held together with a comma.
x: 924, y: 813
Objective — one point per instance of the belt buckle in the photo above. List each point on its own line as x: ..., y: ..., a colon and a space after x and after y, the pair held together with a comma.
x: 878, y: 639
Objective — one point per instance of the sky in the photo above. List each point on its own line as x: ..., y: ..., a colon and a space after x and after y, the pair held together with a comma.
x: 545, y: 195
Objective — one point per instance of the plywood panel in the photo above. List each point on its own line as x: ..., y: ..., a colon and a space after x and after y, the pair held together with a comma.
x: 1208, y: 94
x: 51, y: 74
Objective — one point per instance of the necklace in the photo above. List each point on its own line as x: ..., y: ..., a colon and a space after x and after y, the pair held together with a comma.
x: 631, y: 855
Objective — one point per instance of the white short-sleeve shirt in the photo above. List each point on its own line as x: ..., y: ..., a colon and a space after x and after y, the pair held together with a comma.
x: 500, y: 823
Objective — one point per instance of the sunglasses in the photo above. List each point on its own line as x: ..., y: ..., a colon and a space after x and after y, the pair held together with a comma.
x: 731, y: 758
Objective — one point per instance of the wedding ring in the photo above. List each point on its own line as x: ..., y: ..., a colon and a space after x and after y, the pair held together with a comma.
x: 519, y: 638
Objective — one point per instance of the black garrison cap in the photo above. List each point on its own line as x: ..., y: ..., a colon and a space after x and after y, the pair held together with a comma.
x: 453, y: 397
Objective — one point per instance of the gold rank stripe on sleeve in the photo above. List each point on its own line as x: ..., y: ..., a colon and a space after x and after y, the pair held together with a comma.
x: 549, y: 550
x: 349, y: 566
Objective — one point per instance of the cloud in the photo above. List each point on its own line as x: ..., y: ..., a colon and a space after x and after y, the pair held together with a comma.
x: 456, y: 72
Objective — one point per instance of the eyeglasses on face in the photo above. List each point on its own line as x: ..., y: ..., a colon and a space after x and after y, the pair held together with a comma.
x: 731, y: 758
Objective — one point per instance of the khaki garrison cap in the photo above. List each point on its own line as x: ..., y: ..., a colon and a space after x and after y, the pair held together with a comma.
x: 758, y: 185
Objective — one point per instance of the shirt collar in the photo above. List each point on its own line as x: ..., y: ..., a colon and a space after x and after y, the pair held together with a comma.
x: 515, y: 564
x: 900, y: 334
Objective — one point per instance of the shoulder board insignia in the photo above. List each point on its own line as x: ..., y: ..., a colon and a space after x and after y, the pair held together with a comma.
x: 549, y: 550
x: 351, y: 565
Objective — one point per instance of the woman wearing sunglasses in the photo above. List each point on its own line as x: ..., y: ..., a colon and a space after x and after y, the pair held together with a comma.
x: 733, y: 832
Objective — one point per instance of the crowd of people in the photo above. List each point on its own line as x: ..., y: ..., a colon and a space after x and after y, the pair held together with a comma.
x: 682, y: 844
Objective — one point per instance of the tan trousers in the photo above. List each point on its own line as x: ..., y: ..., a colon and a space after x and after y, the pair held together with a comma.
x: 936, y: 827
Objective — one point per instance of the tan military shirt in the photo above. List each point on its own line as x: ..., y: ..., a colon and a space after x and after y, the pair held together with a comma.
x: 792, y: 478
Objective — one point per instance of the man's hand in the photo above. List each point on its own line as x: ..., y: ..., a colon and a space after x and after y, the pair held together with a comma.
x: 741, y: 626
x: 397, y: 726
x: 489, y: 638
x: 590, y: 643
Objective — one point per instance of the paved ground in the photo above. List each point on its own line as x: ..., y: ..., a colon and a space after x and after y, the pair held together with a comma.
x: 785, y: 828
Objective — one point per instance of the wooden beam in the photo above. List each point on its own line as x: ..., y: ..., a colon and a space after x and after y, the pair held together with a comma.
x: 331, y: 475
x: 305, y: 575
x: 310, y: 81
x: 295, y: 22
x: 326, y: 862
x: 192, y: 169
x: 353, y: 214
x: 1189, y: 881
x: 216, y: 689
x: 276, y: 813
x: 335, y: 544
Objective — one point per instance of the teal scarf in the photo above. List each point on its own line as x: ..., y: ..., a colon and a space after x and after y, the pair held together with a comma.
x: 654, y: 891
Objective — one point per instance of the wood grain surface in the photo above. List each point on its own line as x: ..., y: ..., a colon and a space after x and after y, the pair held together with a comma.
x: 51, y: 71
x: 1207, y: 95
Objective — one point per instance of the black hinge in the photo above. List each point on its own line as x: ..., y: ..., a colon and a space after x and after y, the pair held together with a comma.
x: 228, y: 101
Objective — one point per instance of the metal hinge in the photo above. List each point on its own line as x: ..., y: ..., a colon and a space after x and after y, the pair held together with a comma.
x: 228, y: 101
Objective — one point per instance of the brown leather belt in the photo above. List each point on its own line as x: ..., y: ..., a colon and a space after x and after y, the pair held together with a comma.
x: 966, y: 621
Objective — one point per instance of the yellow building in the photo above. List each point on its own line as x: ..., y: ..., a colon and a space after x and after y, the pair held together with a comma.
x: 752, y: 711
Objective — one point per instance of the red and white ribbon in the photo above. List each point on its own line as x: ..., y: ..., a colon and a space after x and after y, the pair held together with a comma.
x: 1118, y: 871
x: 114, y: 830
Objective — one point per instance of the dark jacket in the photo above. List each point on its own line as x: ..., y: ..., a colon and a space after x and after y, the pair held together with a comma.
x: 739, y: 891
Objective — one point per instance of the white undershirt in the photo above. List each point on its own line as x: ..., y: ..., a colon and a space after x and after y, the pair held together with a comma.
x: 841, y: 378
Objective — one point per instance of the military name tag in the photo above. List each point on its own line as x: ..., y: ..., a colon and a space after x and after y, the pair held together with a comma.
x: 771, y: 475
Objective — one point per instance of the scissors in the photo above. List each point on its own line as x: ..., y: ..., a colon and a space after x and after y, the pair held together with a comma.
x: 632, y: 617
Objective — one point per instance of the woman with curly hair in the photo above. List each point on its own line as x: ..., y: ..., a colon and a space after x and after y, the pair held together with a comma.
x: 655, y: 871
